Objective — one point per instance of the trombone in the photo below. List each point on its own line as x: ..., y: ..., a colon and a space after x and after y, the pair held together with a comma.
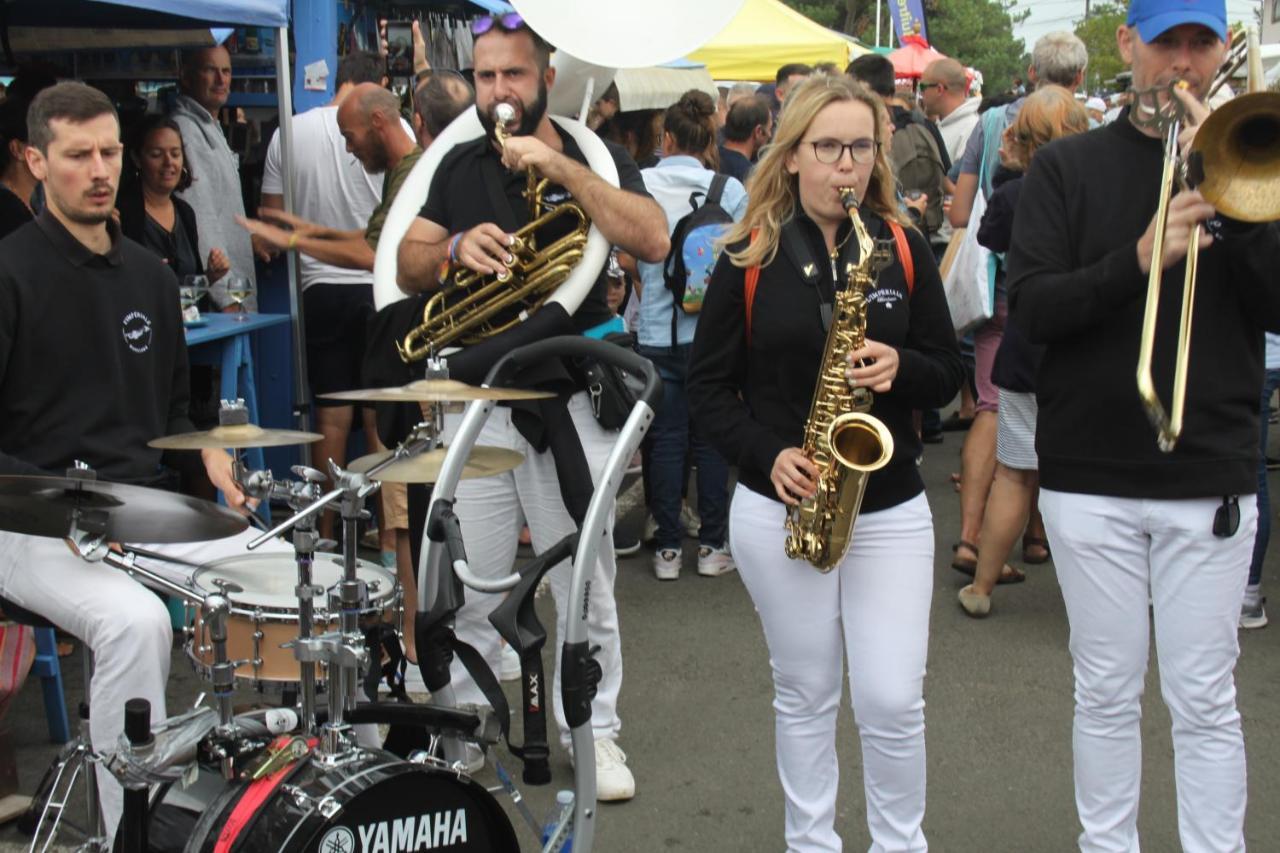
x: 1234, y: 161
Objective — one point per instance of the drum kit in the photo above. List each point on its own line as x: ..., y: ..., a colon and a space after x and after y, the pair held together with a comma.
x: 292, y: 778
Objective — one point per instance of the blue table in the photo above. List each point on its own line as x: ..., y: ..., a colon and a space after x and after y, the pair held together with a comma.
x: 224, y: 342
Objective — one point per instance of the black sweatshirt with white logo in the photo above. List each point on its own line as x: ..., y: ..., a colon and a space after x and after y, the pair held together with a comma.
x: 751, y: 399
x: 1076, y: 287
x: 93, y: 360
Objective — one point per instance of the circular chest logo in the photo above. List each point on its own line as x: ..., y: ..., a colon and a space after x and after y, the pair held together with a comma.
x: 136, y: 329
x: 338, y: 840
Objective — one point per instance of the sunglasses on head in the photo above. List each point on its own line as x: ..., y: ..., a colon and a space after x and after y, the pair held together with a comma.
x: 510, y: 21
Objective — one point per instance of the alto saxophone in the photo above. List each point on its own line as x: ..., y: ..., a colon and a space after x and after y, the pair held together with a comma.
x: 840, y: 436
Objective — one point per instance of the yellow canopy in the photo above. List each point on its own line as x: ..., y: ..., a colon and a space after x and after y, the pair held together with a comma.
x: 767, y: 34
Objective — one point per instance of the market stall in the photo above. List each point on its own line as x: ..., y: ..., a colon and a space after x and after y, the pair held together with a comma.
x: 767, y: 34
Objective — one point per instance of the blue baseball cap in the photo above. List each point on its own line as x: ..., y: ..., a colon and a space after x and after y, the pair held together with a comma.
x: 1153, y: 17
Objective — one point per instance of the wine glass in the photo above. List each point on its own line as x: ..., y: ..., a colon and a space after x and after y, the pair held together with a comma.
x: 239, y: 289
x: 191, y: 289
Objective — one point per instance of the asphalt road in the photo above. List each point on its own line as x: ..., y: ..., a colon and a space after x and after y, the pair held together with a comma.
x: 698, y: 725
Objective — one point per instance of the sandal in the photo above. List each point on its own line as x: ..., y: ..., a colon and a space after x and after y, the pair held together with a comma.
x: 1030, y: 555
x: 1008, y: 574
x: 965, y: 565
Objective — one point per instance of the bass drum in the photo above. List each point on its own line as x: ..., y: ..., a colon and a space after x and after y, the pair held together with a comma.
x: 373, y: 802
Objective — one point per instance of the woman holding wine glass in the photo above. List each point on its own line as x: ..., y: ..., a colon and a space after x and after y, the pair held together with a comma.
x: 152, y: 215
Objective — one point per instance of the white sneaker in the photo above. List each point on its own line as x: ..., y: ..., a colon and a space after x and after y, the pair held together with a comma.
x: 713, y: 562
x: 650, y: 529
x: 690, y: 521
x: 666, y: 564
x: 1253, y: 614
x: 510, y: 668
x: 474, y: 758
x: 613, y: 778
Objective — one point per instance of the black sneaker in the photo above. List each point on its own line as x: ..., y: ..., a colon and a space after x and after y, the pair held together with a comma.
x: 624, y: 545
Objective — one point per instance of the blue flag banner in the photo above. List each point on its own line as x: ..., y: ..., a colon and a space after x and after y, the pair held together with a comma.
x: 908, y: 18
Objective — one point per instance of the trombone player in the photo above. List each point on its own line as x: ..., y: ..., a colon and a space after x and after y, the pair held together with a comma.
x: 1126, y: 519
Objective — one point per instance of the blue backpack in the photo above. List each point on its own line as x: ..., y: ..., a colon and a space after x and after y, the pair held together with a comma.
x: 694, y: 251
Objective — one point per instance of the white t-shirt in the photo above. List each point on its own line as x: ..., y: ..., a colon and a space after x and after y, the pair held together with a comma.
x: 331, y: 188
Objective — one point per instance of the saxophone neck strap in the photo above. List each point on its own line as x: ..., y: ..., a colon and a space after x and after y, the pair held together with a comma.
x: 900, y: 243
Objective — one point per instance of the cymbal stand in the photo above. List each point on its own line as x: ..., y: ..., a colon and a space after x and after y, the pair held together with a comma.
x: 343, y: 651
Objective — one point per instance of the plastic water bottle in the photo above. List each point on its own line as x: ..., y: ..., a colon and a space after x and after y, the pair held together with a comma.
x: 561, y: 814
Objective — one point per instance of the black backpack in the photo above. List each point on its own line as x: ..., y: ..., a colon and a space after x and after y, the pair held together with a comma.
x: 694, y: 250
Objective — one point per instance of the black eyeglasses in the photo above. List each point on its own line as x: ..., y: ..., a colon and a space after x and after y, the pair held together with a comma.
x: 509, y: 22
x: 829, y: 151
x: 923, y: 87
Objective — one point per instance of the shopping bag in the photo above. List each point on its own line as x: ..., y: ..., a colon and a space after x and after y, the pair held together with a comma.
x: 970, y: 280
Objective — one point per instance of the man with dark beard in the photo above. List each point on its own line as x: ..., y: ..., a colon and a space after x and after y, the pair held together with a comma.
x: 474, y: 205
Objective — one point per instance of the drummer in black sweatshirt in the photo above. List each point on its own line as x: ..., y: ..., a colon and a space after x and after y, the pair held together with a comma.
x: 755, y: 362
x: 1124, y: 519
x: 93, y: 364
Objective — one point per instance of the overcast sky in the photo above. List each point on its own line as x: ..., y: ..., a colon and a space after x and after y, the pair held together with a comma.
x: 1050, y: 15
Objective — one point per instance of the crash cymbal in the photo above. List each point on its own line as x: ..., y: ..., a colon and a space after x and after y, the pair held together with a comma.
x: 47, y: 506
x: 238, y: 436
x: 437, y: 391
x: 425, y: 467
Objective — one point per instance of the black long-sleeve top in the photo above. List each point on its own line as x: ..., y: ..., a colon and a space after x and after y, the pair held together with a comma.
x: 1017, y: 360
x: 751, y: 401
x: 1076, y: 287
x: 93, y: 361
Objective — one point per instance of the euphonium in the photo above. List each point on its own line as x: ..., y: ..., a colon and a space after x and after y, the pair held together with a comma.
x: 840, y: 437
x: 472, y: 307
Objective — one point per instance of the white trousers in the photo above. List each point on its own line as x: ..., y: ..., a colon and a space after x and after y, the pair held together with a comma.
x: 872, y: 610
x: 1110, y: 553
x: 491, y: 511
x: 124, y: 623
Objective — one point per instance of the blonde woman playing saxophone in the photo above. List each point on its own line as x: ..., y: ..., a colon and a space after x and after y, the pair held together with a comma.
x: 751, y: 389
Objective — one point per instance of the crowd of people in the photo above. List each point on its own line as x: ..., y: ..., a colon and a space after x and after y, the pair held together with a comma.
x: 732, y: 239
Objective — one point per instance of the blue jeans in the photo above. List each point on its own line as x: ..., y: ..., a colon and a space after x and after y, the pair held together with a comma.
x: 669, y: 440
x: 1270, y: 382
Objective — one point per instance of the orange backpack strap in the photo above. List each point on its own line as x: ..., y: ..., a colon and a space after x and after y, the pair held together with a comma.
x: 749, y: 287
x: 904, y: 255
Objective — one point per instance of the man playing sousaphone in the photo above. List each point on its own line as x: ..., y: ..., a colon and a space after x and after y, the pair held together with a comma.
x: 475, y: 204
x: 1132, y: 526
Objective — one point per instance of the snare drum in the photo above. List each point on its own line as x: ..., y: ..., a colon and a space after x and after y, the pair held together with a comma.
x: 264, y: 614
x: 375, y: 801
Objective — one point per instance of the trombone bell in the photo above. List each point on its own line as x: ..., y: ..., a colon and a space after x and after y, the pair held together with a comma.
x: 1239, y: 151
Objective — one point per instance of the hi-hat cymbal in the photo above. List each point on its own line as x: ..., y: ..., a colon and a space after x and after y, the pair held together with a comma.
x: 437, y: 391
x: 425, y: 467
x: 48, y: 506
x: 238, y: 436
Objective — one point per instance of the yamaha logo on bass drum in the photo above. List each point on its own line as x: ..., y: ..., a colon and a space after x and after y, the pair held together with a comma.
x: 439, y: 830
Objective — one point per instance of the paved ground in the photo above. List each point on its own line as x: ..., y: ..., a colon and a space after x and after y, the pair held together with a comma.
x: 698, y: 724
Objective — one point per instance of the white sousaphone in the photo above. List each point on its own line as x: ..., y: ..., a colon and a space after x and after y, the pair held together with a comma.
x: 605, y: 33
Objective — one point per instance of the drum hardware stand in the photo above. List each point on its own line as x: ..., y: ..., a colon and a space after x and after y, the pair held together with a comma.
x: 299, y: 496
x: 343, y: 651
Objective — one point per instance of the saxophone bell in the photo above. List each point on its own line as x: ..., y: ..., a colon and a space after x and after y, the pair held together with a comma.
x: 860, y: 442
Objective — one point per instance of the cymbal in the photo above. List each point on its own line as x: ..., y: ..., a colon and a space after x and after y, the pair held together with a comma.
x: 425, y: 467
x: 46, y: 506
x: 239, y: 436
x: 437, y: 391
